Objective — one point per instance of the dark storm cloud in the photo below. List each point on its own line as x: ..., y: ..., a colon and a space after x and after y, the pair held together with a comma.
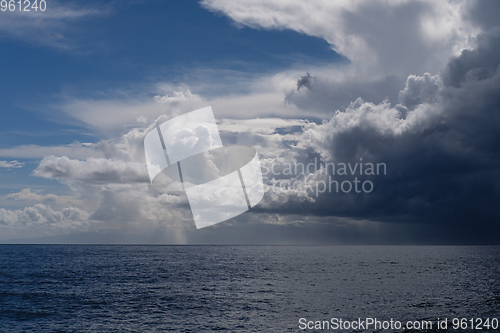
x: 475, y: 65
x: 305, y: 81
x: 485, y: 13
x: 441, y: 148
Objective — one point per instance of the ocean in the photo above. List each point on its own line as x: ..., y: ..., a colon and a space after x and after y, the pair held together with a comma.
x: 132, y: 288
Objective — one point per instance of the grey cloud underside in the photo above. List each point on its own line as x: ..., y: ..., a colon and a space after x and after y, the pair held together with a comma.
x: 92, y: 170
x: 323, y: 95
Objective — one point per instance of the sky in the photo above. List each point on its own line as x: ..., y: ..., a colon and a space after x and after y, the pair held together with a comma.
x: 409, y: 85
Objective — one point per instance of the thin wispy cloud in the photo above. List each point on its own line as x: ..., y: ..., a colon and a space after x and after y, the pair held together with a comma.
x: 11, y: 164
x: 53, y: 27
x: 75, y: 150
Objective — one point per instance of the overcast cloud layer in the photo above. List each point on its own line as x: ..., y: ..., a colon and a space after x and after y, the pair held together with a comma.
x: 419, y: 93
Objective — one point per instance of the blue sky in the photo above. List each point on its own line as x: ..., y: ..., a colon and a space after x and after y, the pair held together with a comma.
x: 131, y: 45
x: 396, y: 82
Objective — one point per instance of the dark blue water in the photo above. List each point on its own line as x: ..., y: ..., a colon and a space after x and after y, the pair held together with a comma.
x: 88, y: 288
